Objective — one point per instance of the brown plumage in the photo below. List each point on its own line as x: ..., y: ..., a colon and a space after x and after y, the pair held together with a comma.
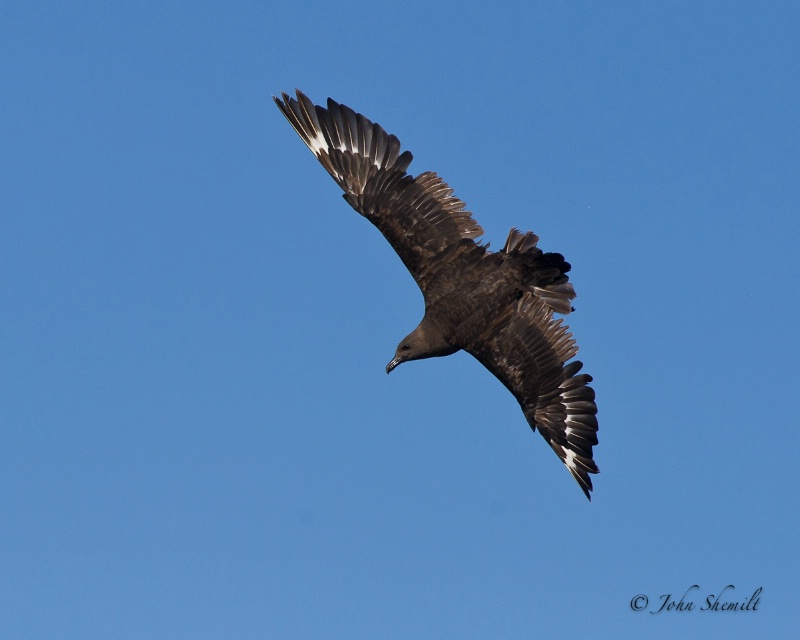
x: 497, y: 306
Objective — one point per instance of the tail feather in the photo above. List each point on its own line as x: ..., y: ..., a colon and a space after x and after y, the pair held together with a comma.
x: 543, y: 273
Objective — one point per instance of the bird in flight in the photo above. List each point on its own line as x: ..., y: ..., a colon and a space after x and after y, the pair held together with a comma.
x: 498, y: 306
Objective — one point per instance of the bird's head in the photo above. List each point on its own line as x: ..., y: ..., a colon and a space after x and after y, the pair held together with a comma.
x: 423, y: 342
x: 406, y: 350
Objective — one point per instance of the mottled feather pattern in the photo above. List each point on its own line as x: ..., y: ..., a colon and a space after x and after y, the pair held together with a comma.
x: 526, y: 348
x: 496, y: 306
x: 419, y: 216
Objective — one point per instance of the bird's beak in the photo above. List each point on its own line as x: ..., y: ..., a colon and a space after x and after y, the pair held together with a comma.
x: 393, y: 364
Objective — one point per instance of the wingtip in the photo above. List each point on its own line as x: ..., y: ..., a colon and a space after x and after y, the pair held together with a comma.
x: 584, y: 482
x: 285, y: 98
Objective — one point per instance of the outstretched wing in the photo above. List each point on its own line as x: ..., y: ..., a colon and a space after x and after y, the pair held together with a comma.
x: 526, y: 349
x: 419, y: 216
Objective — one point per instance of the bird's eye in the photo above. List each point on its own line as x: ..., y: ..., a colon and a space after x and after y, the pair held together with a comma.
x: 405, y: 347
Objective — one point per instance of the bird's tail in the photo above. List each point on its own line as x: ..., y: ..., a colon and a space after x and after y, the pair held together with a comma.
x: 543, y: 273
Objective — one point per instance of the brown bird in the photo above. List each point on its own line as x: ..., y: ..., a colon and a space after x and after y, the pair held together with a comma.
x: 497, y: 306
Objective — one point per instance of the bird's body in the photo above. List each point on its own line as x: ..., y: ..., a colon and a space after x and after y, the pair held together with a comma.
x: 497, y: 306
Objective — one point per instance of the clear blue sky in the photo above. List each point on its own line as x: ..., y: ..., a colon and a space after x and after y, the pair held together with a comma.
x: 198, y: 436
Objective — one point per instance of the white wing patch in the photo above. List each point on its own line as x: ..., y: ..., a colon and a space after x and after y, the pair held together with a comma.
x: 317, y: 144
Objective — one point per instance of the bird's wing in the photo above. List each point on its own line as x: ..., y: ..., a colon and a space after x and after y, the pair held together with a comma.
x: 419, y: 216
x: 526, y: 349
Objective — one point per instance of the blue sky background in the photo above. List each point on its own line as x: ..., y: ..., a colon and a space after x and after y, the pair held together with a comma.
x: 198, y: 436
